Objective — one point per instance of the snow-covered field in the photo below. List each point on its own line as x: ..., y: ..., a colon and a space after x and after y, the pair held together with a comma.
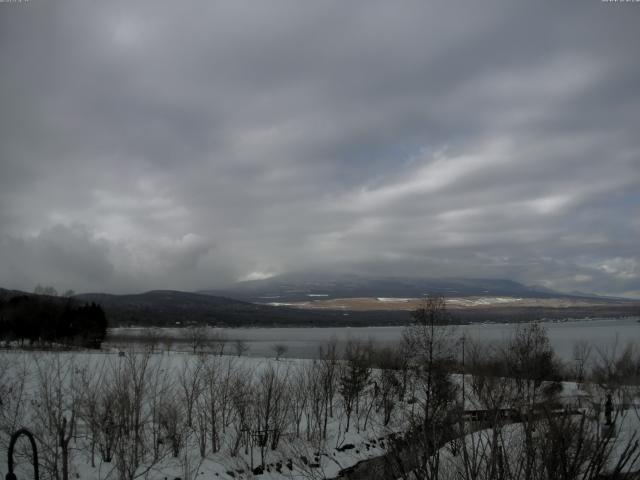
x: 40, y: 388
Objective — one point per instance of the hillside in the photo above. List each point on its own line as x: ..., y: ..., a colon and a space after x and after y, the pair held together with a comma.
x: 175, y: 308
x: 298, y: 287
x: 165, y: 307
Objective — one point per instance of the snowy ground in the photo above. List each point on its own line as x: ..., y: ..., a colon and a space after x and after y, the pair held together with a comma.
x: 295, y: 457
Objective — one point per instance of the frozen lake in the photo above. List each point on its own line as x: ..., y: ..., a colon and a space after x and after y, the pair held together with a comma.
x: 304, y: 342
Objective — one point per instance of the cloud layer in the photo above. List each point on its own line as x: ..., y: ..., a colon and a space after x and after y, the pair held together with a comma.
x: 170, y: 145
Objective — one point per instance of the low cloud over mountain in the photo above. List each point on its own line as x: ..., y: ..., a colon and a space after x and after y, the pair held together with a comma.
x: 162, y: 145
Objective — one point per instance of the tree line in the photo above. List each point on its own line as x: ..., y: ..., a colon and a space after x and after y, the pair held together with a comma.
x: 51, y: 321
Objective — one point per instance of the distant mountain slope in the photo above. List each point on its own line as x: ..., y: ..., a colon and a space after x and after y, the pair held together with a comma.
x: 6, y: 294
x: 173, y: 308
x: 168, y: 307
x: 299, y: 287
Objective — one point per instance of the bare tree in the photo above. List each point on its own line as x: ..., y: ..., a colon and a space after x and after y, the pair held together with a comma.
x: 190, y: 385
x: 431, y: 344
x: 160, y: 386
x: 616, y: 371
x: 271, y: 403
x: 48, y: 290
x: 107, y: 429
x: 299, y: 386
x: 167, y: 343
x: 219, y: 341
x: 58, y: 402
x: 196, y: 336
x: 202, y: 421
x: 581, y: 356
x: 172, y: 424
x: 316, y: 410
x: 129, y: 395
x: 190, y: 465
x: 92, y: 384
x: 491, y: 394
x: 279, y: 350
x: 218, y: 378
x: 14, y: 376
x: 151, y: 338
x: 531, y: 362
x: 329, y: 372
x: 241, y: 398
x: 354, y: 378
x: 240, y: 347
x: 389, y: 380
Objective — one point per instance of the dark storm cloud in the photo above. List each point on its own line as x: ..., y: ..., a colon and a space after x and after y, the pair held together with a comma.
x: 174, y: 145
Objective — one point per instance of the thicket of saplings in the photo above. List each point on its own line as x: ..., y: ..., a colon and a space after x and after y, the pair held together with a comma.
x: 503, y: 419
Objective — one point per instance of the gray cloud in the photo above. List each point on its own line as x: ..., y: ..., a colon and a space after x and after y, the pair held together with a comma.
x: 170, y: 145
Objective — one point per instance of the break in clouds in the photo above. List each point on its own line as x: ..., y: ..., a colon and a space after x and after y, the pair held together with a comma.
x: 150, y: 144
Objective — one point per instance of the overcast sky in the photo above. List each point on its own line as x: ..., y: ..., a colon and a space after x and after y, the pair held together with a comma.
x: 186, y: 145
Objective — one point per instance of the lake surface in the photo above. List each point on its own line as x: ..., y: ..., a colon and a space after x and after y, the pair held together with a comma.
x: 602, y: 334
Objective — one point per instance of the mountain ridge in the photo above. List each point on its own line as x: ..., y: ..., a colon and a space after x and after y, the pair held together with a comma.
x: 251, y: 307
x: 300, y: 286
